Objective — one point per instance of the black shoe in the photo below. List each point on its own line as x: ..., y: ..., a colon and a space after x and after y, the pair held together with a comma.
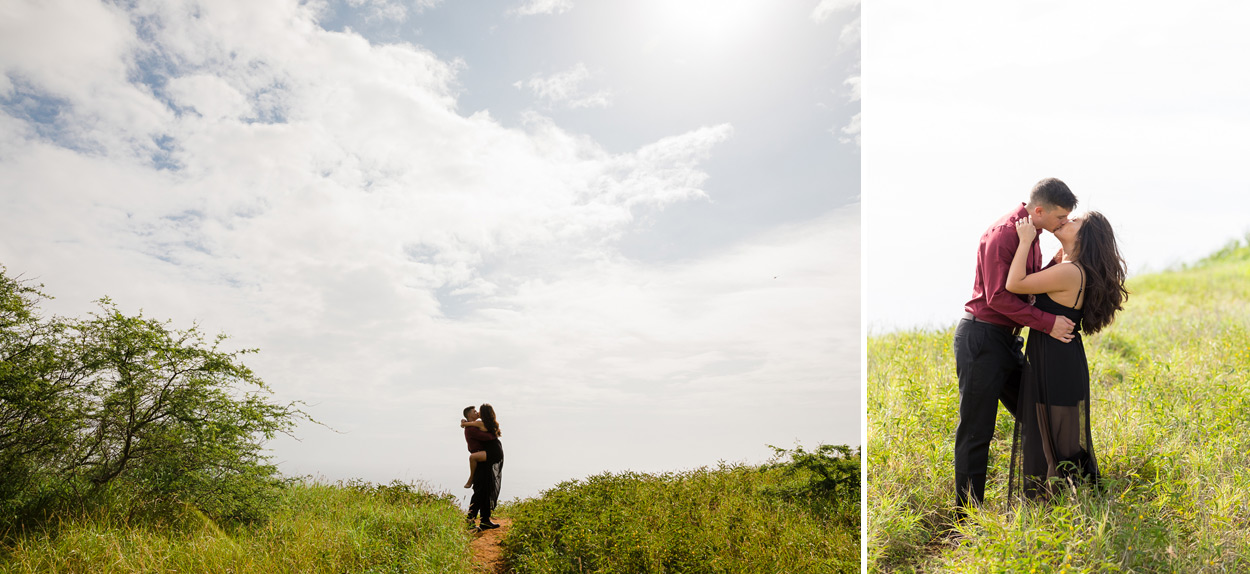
x: 486, y: 525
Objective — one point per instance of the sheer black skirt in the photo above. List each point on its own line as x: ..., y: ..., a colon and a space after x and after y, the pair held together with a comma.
x: 1053, y: 446
x: 488, y: 479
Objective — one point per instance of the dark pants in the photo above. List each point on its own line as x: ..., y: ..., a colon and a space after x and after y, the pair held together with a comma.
x: 485, y: 482
x: 988, y: 360
x: 480, y: 502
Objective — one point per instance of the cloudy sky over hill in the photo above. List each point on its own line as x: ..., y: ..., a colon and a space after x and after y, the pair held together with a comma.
x: 633, y: 227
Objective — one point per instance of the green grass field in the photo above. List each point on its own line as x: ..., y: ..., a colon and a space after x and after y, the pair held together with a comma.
x: 731, y: 519
x: 1170, y: 385
x: 318, y: 528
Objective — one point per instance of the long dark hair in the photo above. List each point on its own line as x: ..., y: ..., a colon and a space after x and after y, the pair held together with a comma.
x: 488, y: 419
x: 1099, y: 256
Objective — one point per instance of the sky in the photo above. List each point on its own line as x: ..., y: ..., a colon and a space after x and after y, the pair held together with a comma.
x: 1139, y: 107
x: 632, y: 227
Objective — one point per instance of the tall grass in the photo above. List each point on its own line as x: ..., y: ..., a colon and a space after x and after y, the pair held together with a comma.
x: 731, y: 519
x: 352, y: 527
x: 1170, y: 386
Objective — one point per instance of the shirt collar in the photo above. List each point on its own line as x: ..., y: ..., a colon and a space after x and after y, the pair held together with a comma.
x: 1023, y: 212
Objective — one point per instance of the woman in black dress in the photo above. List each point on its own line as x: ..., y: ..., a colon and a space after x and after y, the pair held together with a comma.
x: 1086, y: 285
x: 488, y: 478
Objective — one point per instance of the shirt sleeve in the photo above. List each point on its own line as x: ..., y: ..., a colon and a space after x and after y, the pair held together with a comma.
x: 1000, y: 249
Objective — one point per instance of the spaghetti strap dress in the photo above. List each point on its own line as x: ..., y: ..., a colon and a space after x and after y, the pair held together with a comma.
x: 1052, y: 432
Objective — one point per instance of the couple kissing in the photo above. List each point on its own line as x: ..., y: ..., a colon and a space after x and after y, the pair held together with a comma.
x: 1044, y: 384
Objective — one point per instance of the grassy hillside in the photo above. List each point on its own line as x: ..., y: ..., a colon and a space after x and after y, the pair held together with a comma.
x: 1170, y: 385
x: 791, y: 517
x: 732, y: 519
x: 352, y: 527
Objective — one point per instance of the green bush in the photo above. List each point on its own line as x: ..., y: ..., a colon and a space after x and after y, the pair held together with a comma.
x: 831, y: 472
x: 115, y: 407
x: 728, y: 519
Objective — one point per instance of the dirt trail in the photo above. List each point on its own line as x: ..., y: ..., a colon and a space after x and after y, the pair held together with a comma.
x: 486, y: 551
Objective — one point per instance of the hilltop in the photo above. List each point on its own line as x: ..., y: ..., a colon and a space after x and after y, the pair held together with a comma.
x: 1170, y: 405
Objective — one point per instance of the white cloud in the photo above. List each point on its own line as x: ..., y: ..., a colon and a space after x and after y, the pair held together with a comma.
x: 319, y: 197
x: 210, y: 96
x: 566, y: 88
x: 854, y: 84
x: 69, y: 49
x: 79, y: 54
x: 391, y: 10
x: 850, y: 34
x: 827, y: 8
x: 763, y: 306
x: 850, y: 132
x: 381, y: 9
x: 533, y: 7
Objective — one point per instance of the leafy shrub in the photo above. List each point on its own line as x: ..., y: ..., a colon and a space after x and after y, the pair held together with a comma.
x: 831, y: 470
x: 720, y: 520
x: 126, y: 407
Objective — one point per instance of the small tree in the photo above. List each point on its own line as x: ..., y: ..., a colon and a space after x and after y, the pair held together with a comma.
x: 173, y: 416
x: 127, y: 404
x: 40, y: 401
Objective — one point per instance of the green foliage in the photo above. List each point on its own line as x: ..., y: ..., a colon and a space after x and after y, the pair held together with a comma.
x: 39, y: 402
x: 724, y: 520
x: 315, y: 528
x: 831, y: 471
x: 175, y: 417
x: 1170, y: 393
x: 115, y: 407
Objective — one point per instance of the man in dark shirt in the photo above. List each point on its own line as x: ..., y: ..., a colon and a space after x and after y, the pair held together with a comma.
x: 987, y: 345
x: 480, y: 501
x: 474, y: 436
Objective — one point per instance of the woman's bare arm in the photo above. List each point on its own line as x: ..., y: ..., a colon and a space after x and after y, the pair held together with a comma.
x: 1049, y: 280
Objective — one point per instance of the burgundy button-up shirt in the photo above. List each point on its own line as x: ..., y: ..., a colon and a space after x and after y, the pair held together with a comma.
x: 475, y: 437
x: 991, y: 301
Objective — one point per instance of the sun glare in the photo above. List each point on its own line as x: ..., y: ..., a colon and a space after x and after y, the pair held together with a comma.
x: 697, y: 27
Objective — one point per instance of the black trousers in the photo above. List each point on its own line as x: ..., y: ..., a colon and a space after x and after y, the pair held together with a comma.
x: 989, y: 361
x: 480, y: 502
x: 485, y: 486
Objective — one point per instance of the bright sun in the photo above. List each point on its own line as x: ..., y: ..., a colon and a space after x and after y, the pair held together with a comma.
x: 696, y: 27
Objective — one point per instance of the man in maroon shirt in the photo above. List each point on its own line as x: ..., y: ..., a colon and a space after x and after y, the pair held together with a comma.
x: 475, y: 437
x: 987, y: 345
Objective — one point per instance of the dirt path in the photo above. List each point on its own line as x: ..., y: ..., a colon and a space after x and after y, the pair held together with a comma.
x: 486, y: 551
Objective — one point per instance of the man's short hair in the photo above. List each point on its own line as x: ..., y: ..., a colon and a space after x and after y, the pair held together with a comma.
x: 466, y: 411
x: 1053, y: 193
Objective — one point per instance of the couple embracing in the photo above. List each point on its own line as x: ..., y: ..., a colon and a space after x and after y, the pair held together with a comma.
x: 481, y: 435
x: 1044, y: 385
